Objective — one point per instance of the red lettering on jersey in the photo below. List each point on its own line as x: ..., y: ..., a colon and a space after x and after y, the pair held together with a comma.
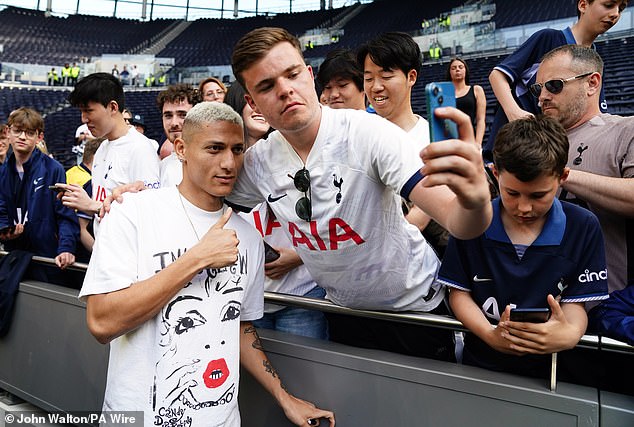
x: 348, y: 234
x: 313, y: 231
x: 298, y: 237
x: 271, y: 224
x: 101, y: 195
x: 257, y: 222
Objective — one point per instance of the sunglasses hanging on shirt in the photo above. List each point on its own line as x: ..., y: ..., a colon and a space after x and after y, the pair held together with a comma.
x: 303, y: 207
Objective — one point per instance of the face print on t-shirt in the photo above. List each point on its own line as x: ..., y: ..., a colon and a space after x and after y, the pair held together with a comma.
x: 198, y: 348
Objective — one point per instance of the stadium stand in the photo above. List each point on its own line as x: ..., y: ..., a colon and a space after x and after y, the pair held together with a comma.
x: 384, y: 15
x: 32, y: 37
x: 618, y: 77
x: 510, y: 13
x: 619, y: 80
x: 190, y: 49
x: 38, y: 99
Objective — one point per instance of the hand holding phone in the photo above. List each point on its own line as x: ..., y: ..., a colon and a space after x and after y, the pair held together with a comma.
x: 530, y: 315
x: 440, y: 94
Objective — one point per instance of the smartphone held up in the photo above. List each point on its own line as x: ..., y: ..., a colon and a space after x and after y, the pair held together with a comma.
x: 440, y: 94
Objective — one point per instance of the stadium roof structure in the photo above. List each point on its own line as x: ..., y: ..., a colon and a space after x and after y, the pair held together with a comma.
x: 177, y: 9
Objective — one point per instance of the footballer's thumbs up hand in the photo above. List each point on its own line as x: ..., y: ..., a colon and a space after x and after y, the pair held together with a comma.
x: 219, y: 246
x: 223, y: 220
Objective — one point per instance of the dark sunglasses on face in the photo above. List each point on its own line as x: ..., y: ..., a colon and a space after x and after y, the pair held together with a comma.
x: 554, y: 86
x: 303, y: 207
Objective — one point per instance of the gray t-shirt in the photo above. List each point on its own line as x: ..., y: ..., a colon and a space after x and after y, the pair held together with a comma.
x: 604, y: 145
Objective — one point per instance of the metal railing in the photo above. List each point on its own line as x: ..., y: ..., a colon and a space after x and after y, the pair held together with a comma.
x: 416, y: 318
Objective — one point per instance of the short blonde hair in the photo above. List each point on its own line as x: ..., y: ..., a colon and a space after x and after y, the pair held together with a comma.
x: 209, y: 112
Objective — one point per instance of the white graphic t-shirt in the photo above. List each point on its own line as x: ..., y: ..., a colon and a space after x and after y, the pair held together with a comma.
x: 181, y: 367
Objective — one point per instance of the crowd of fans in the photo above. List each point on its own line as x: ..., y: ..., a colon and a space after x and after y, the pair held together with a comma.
x: 539, y: 220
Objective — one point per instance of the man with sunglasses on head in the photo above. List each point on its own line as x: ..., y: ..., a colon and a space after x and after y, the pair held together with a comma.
x: 333, y: 179
x: 511, y: 78
x: 31, y: 217
x: 601, y: 156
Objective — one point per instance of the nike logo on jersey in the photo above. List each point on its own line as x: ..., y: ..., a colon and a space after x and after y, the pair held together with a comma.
x: 37, y: 180
x: 479, y: 279
x: 38, y: 187
x: 272, y: 199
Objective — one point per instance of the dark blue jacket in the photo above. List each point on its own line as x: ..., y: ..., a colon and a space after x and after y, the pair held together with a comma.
x: 50, y: 227
x: 614, y: 317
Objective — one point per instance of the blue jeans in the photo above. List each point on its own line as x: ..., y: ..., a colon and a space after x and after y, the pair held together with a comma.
x: 298, y: 321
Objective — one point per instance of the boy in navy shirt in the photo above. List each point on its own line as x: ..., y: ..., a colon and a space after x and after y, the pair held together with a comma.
x: 538, y: 252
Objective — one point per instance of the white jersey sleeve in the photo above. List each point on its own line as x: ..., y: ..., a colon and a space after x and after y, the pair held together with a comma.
x: 144, y: 165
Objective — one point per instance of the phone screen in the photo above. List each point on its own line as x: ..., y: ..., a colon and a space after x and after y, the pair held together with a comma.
x: 531, y: 315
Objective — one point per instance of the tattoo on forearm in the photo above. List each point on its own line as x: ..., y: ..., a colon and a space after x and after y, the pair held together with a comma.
x: 257, y: 343
x: 271, y: 370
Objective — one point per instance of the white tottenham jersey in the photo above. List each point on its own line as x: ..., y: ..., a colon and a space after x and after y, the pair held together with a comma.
x: 358, y: 246
x: 295, y: 282
x: 122, y: 161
